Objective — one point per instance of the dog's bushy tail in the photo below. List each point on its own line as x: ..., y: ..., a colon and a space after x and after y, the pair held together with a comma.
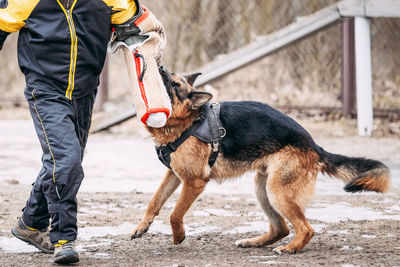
x: 359, y: 174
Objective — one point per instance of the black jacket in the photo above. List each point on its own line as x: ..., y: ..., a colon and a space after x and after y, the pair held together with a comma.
x: 62, y: 44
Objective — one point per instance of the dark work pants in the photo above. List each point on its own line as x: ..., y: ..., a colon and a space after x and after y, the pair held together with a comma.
x: 62, y: 126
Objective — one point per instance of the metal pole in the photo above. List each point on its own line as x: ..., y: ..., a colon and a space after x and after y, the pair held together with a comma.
x: 348, y: 67
x: 363, y: 75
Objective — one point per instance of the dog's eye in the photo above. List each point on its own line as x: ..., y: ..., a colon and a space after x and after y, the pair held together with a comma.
x: 175, y: 84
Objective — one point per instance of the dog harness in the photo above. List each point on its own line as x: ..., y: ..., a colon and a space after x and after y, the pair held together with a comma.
x: 208, y: 130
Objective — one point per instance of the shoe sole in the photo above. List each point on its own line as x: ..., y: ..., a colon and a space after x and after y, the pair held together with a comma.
x: 67, y: 258
x: 30, y: 241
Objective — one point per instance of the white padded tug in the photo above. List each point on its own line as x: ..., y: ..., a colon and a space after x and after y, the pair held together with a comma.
x: 142, y: 58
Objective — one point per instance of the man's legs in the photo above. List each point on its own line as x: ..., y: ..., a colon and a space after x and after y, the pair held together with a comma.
x: 62, y: 126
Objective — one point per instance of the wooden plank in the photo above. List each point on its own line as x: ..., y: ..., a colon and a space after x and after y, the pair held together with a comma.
x: 268, y: 44
x: 382, y: 8
x: 104, y: 121
x: 351, y: 8
x: 369, y: 8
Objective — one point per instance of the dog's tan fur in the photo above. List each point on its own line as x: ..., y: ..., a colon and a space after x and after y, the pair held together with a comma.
x: 284, y: 180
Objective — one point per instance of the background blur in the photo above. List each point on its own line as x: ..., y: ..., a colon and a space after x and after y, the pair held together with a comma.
x: 199, y: 31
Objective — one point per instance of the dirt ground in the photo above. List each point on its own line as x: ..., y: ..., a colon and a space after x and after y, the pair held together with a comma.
x: 122, y: 173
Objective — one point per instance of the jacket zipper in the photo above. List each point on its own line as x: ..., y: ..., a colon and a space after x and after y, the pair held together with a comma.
x: 68, y: 94
x: 71, y: 76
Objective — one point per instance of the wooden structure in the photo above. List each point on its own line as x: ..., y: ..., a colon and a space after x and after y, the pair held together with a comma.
x: 361, y: 10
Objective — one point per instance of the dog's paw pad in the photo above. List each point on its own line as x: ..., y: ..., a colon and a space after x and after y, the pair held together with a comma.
x: 137, y: 233
x: 179, y: 241
x: 279, y: 250
x: 242, y: 243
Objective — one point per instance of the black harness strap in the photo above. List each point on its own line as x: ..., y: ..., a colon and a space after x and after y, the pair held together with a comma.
x: 163, y: 152
x: 211, y: 131
x: 208, y: 130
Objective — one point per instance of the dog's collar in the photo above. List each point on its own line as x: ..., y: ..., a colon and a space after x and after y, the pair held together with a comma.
x: 209, y: 129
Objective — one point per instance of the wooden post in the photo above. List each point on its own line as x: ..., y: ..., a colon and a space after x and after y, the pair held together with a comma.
x: 102, y: 94
x: 348, y: 67
x: 363, y: 75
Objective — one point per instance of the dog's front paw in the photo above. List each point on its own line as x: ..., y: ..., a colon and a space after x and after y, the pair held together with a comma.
x: 179, y: 239
x: 283, y: 249
x: 244, y: 243
x: 141, y: 229
x: 178, y: 236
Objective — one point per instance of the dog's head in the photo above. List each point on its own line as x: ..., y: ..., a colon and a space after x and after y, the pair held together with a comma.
x: 185, y: 98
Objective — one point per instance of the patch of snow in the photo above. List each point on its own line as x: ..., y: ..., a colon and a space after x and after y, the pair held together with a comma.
x: 318, y: 227
x: 393, y: 209
x: 258, y: 214
x: 89, y: 211
x: 267, y: 262
x: 87, y: 233
x: 200, y: 213
x: 263, y: 257
x: 258, y: 226
x: 368, y: 236
x: 158, y: 227
x: 14, y: 245
x: 347, y: 248
x: 337, y: 212
x: 196, y: 229
x: 216, y: 212
x: 338, y: 232
x: 101, y: 255
x: 106, y: 242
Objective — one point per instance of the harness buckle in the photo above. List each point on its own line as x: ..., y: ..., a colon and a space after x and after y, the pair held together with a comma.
x: 215, y: 146
x: 214, y: 105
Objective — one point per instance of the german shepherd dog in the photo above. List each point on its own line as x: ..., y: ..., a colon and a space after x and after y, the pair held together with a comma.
x: 258, y: 138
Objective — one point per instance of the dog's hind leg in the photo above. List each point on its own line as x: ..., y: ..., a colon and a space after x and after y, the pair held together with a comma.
x: 167, y: 187
x: 278, y: 228
x: 290, y: 186
x: 191, y: 189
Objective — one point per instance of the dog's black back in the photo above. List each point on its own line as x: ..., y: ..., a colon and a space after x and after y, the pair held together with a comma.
x: 255, y: 129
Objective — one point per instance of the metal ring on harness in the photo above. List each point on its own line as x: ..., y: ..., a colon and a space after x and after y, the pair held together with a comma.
x: 222, y: 132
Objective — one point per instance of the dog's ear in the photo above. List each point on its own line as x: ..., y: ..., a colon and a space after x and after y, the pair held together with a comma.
x: 191, y: 78
x: 199, y: 98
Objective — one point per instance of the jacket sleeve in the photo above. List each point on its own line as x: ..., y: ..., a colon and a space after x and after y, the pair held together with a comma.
x: 123, y: 10
x: 13, y: 13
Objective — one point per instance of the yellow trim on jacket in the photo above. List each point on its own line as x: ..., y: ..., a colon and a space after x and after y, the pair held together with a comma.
x: 13, y: 16
x: 74, y: 49
x: 126, y: 10
x: 45, y: 135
